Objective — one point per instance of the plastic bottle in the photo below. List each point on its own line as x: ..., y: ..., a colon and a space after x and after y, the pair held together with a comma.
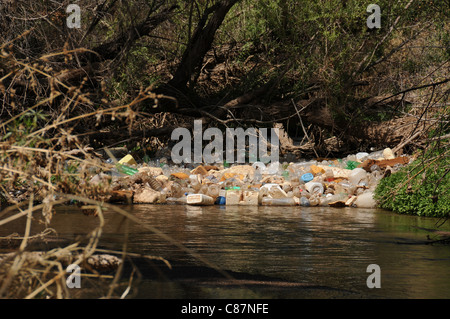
x: 195, y: 182
x: 307, y: 177
x: 302, y: 192
x: 257, y: 176
x: 375, y: 155
x: 348, y: 187
x: 273, y: 168
x: 204, y: 189
x: 163, y: 196
x: 167, y: 192
x: 287, y: 187
x: 177, y: 192
x: 314, y: 188
x: 232, y: 197
x: 274, y: 190
x: 329, y: 175
x: 176, y: 201
x: 357, y: 175
x: 220, y: 200
x: 233, y: 182
x: 361, y: 156
x: 154, y: 184
x: 351, y: 165
x: 259, y: 166
x: 287, y: 201
x: 298, y: 191
x: 126, y: 169
x: 314, y: 200
x: 376, y: 176
x: 294, y: 181
x: 304, y: 202
x: 365, y: 200
x: 364, y: 183
x: 213, y: 190
x: 199, y: 199
x: 338, y: 188
x: 333, y: 198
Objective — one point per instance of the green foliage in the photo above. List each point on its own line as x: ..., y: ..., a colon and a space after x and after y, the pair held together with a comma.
x: 419, y: 189
x: 19, y: 129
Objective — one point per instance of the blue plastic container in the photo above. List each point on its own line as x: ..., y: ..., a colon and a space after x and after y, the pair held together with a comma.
x: 307, y: 177
x: 220, y: 200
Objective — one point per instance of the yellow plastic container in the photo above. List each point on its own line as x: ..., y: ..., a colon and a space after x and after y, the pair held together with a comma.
x: 128, y: 159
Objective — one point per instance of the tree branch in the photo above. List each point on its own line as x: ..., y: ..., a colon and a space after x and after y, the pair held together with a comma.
x: 121, y: 44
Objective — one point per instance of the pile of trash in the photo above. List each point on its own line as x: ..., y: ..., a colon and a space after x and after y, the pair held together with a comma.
x: 347, y: 182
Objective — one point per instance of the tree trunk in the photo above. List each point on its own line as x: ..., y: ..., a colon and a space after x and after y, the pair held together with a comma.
x: 199, y: 44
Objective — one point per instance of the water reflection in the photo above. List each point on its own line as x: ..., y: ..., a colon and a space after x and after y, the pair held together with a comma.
x: 328, y: 250
x: 328, y: 247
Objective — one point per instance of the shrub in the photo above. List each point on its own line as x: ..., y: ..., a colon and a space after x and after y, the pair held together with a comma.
x: 420, y: 188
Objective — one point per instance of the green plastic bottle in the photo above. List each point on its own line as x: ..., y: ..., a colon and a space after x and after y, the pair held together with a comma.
x: 126, y: 169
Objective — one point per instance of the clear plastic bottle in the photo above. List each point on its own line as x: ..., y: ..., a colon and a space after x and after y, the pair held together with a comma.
x: 333, y: 198
x: 360, y: 157
x: 357, y: 175
x: 314, y: 200
x: 177, y: 192
x: 273, y: 168
x: 304, y: 202
x: 275, y: 191
x: 348, y: 187
x: 287, y: 187
x: 257, y: 176
x: 376, y: 176
x: 287, y: 201
x: 297, y: 191
x: 294, y: 181
x: 176, y: 201
x: 259, y: 166
x: 195, y: 182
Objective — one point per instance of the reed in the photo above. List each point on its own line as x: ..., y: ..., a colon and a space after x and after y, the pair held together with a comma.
x: 44, y: 164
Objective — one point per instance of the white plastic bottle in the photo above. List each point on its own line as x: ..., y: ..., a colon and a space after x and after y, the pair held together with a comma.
x: 199, y: 199
x: 314, y: 187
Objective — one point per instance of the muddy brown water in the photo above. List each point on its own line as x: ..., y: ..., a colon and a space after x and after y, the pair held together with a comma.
x: 270, y: 252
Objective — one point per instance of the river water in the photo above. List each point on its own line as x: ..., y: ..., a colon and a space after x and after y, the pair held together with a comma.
x: 274, y: 252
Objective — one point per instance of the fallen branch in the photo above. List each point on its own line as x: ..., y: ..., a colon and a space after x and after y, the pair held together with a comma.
x: 412, y: 89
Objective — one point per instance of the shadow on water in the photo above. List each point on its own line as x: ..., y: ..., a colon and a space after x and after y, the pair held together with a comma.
x: 270, y: 252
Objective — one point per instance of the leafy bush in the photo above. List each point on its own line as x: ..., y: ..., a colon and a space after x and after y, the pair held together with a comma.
x: 420, y: 188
